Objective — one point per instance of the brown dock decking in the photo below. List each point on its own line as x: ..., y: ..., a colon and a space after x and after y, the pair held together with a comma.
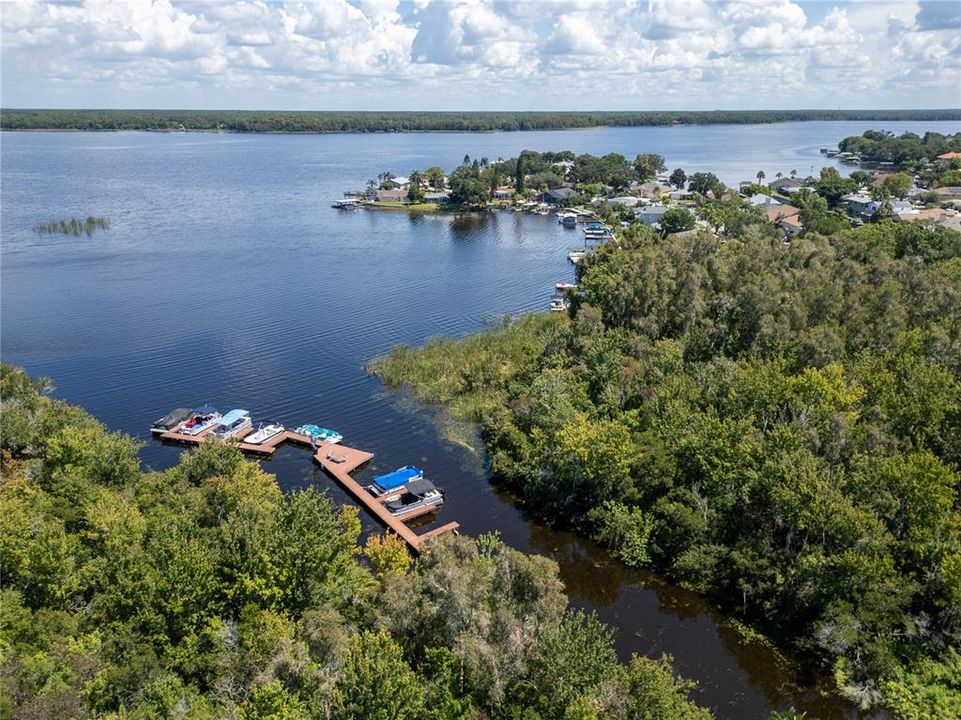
x: 339, y: 461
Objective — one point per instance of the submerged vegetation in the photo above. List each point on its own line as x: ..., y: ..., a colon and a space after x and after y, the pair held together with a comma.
x: 74, y: 226
x: 203, y: 591
x: 351, y: 121
x: 775, y: 425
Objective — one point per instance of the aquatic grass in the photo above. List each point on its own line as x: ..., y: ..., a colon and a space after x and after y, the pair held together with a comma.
x: 469, y: 376
x: 73, y: 226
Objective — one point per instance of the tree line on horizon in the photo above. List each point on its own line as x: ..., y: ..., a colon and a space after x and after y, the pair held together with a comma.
x: 293, y: 121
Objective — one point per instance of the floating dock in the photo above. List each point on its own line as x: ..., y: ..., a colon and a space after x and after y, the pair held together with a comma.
x: 339, y: 461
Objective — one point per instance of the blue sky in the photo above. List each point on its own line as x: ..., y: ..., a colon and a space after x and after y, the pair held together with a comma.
x: 481, y: 54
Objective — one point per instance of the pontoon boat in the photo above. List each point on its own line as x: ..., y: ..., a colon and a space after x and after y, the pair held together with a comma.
x: 233, y: 424
x: 201, y: 419
x: 418, y: 495
x: 394, y: 481
x: 319, y: 434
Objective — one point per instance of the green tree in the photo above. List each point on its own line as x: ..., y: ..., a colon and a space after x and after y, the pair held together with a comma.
x: 435, y: 177
x: 415, y: 189
x: 376, y: 682
x: 648, y: 165
x: 677, y: 219
x: 898, y: 184
x: 678, y: 178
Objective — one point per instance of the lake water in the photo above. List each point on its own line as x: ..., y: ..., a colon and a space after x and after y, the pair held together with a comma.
x: 226, y: 277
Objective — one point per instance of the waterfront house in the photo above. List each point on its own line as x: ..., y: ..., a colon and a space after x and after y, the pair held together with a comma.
x: 625, y: 201
x: 950, y: 156
x: 399, y: 182
x: 680, y: 194
x: 555, y: 196
x: 437, y: 197
x: 504, y: 193
x: 650, y: 189
x: 395, y: 195
x: 651, y: 214
x: 786, y: 186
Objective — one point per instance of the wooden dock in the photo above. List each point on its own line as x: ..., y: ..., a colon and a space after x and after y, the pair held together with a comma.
x: 339, y: 461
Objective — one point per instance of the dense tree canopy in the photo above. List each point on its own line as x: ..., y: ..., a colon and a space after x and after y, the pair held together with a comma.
x: 205, y: 592
x: 775, y: 425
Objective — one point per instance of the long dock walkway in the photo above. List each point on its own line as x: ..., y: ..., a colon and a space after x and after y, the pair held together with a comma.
x: 339, y: 461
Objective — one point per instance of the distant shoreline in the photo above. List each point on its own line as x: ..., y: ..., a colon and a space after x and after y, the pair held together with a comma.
x: 324, y: 123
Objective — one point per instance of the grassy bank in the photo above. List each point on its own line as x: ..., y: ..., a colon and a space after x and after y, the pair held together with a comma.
x: 398, y: 205
x: 470, y: 376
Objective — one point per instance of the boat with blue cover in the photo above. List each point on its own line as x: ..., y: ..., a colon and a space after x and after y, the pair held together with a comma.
x: 232, y: 424
x: 319, y: 434
x: 395, y: 481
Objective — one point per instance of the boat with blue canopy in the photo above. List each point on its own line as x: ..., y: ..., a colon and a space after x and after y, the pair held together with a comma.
x: 395, y: 481
x: 232, y: 424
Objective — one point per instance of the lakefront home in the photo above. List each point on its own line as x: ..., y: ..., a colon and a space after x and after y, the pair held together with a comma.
x: 555, y: 196
x: 786, y: 186
x: 396, y: 195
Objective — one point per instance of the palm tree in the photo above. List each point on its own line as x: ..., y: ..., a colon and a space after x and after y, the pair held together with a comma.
x: 760, y: 176
x: 779, y: 175
x: 416, y: 182
x: 794, y: 173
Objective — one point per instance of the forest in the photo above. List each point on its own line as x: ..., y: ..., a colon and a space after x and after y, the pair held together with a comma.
x: 205, y: 592
x: 905, y: 149
x: 775, y: 425
x: 352, y: 121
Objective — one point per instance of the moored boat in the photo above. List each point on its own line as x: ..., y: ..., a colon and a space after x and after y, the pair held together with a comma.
x: 346, y: 204
x: 232, y: 424
x: 264, y: 433
x: 171, y: 420
x: 394, y: 481
x: 564, y: 286
x: 201, y: 419
x: 559, y: 304
x: 319, y: 434
x: 575, y: 256
x: 418, y: 495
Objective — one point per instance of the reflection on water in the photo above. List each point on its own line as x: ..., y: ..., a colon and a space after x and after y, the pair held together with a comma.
x: 227, y: 278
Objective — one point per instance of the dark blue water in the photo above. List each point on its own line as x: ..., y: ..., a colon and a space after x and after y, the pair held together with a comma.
x: 226, y: 277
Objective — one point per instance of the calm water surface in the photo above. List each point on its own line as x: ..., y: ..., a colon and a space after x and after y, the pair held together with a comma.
x: 227, y: 278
